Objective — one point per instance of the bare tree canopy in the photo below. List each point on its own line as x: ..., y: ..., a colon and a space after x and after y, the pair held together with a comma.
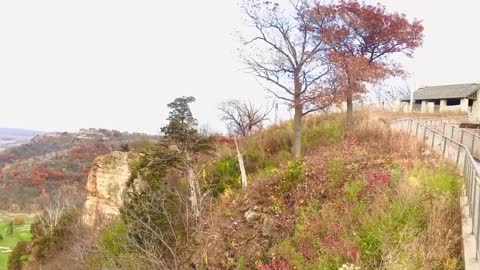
x: 243, y: 117
x: 287, y: 55
x: 386, y: 96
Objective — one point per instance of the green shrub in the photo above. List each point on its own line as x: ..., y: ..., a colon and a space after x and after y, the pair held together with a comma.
x: 48, y: 241
x: 293, y: 177
x: 400, y: 223
x: 336, y: 171
x: 326, y: 132
x: 113, y: 238
x: 439, y: 179
x: 19, y: 256
x: 352, y: 189
x: 242, y: 263
x: 224, y: 174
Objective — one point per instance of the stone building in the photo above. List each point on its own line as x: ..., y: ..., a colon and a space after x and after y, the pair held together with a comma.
x: 456, y: 97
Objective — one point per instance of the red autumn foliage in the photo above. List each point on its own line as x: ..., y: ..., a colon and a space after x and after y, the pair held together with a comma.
x: 363, y: 40
x: 225, y: 140
x: 68, y: 168
x: 307, y: 250
x: 376, y: 179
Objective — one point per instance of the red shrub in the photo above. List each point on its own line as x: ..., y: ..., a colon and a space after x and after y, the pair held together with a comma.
x: 377, y: 179
x: 225, y: 140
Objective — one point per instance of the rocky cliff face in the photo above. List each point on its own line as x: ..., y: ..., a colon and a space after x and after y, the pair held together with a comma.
x: 106, y: 186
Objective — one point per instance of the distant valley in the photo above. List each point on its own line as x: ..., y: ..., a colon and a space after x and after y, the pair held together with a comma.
x: 11, y: 137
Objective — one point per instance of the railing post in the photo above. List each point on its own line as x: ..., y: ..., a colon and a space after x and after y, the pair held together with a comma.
x: 452, y: 132
x: 472, y: 177
x: 444, y: 145
x: 474, y: 206
x: 433, y: 140
x: 461, y: 137
x: 473, y: 143
x: 416, y: 131
x: 458, y: 155
x: 477, y: 236
x: 444, y: 124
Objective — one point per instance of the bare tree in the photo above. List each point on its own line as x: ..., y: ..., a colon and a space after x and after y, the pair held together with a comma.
x: 386, y: 95
x: 285, y: 53
x: 158, y: 226
x: 243, y: 117
x: 53, y: 207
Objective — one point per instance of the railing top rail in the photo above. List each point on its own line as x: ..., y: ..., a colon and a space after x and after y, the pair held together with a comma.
x: 465, y: 148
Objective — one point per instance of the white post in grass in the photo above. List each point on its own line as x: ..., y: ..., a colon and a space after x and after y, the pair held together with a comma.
x: 242, y: 166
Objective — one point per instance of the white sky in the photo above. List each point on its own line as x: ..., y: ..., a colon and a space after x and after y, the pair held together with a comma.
x: 66, y: 64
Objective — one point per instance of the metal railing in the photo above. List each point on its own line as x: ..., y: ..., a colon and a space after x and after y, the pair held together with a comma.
x: 464, y: 136
x: 457, y: 153
x: 451, y: 129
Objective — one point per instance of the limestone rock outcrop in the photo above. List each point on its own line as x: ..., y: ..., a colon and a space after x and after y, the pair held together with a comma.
x: 107, y: 185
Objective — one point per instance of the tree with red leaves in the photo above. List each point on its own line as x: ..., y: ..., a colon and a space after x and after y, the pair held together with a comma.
x: 363, y: 43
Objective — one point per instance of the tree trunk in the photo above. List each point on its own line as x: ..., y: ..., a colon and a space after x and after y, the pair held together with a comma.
x: 349, y: 108
x: 191, y: 178
x: 297, y: 130
x: 297, y: 118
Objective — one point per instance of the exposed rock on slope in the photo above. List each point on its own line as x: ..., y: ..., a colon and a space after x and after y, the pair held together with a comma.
x: 106, y: 186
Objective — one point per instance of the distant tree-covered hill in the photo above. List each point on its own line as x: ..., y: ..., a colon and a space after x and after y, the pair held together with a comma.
x: 52, y: 160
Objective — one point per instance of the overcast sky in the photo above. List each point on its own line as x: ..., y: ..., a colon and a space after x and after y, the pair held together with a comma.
x: 115, y: 64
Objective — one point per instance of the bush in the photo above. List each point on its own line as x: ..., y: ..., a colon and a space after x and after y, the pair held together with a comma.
x: 224, y: 174
x: 47, y: 241
x: 353, y: 188
x: 325, y: 132
x: 336, y: 171
x: 19, y: 256
x: 293, y: 177
x: 113, y: 238
x: 19, y: 220
x: 440, y: 179
x: 400, y: 223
